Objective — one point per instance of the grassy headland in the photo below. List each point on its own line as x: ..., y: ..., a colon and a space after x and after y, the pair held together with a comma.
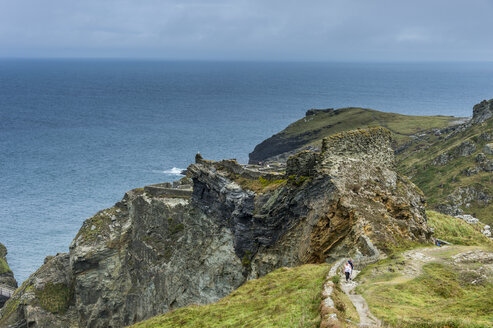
x: 287, y: 297
x: 310, y: 130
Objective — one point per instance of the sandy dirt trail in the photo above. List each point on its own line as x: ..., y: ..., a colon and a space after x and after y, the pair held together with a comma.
x: 366, y: 318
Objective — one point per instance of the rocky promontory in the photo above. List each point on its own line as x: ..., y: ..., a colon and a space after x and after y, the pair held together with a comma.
x: 195, y: 241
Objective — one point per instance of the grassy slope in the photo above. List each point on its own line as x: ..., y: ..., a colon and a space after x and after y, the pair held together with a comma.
x: 456, y: 231
x: 283, y: 298
x: 437, y: 182
x: 443, y: 295
x: 311, y: 130
x: 439, y: 297
x: 402, y: 126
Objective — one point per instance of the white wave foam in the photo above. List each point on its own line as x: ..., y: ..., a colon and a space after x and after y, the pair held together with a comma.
x: 174, y: 170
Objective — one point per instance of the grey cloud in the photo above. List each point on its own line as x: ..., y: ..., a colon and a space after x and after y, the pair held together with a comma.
x: 240, y: 29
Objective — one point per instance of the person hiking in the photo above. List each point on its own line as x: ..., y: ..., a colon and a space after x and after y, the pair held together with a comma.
x: 347, y: 270
x: 350, y: 261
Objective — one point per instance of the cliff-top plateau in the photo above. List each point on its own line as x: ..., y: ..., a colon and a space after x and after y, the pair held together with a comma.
x: 226, y: 234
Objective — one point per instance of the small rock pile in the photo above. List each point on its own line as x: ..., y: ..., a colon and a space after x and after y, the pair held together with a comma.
x: 486, y: 231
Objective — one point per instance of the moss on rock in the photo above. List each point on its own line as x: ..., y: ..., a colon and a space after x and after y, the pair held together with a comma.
x: 99, y: 224
x: 4, y: 267
x: 55, y: 298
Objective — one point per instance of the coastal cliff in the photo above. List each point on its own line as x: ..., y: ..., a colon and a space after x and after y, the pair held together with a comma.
x: 195, y: 241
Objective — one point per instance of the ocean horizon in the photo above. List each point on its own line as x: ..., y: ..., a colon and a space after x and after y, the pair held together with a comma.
x: 76, y: 134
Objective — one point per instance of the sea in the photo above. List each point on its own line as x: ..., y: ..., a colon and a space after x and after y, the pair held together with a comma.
x: 76, y: 134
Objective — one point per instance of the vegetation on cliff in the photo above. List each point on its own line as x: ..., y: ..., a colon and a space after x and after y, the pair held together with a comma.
x: 4, y: 267
x: 55, y: 298
x: 455, y: 172
x: 287, y: 297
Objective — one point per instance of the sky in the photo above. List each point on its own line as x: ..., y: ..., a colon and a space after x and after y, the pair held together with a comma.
x: 272, y: 30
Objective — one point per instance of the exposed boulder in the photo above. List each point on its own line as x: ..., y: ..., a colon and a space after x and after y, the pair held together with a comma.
x: 486, y: 136
x: 488, y: 149
x: 152, y: 252
x: 484, y: 163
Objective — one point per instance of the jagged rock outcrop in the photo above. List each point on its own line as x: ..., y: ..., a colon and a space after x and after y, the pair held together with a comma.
x: 482, y: 111
x: 154, y: 252
x: 7, y: 280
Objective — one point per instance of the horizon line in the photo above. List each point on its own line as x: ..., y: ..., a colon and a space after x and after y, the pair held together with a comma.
x: 156, y: 59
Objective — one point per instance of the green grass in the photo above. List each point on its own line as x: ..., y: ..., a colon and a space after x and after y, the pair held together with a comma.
x: 259, y: 185
x: 3, y: 250
x: 4, y: 267
x: 311, y: 130
x: 343, y: 304
x: 456, y: 231
x: 287, y: 297
x: 432, y: 299
x: 55, y: 298
x: 97, y: 225
x: 353, y: 118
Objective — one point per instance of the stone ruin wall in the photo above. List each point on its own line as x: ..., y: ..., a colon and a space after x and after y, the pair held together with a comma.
x: 372, y: 145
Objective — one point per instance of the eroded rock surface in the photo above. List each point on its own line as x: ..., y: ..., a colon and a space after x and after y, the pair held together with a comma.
x: 158, y: 250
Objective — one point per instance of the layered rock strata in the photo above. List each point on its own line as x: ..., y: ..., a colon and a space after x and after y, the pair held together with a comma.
x: 158, y: 250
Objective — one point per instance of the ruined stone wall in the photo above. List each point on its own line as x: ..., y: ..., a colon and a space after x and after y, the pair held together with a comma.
x: 372, y: 145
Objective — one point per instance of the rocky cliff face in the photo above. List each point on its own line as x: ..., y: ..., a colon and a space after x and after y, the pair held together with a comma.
x: 160, y: 249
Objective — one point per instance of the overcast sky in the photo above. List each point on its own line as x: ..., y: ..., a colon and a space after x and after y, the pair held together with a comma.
x: 360, y: 30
